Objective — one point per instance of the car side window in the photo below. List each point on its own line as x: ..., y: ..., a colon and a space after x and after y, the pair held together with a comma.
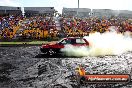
x: 73, y: 41
x: 66, y: 42
x: 80, y: 41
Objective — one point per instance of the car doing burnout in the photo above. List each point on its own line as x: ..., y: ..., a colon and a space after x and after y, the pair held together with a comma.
x: 55, y: 48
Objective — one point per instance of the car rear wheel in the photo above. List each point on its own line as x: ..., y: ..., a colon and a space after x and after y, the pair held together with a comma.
x: 44, y: 51
x: 51, y: 52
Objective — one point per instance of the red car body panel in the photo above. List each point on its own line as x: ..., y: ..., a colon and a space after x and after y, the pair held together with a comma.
x: 52, y: 46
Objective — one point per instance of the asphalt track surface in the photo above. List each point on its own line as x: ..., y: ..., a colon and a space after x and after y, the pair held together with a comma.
x: 27, y: 67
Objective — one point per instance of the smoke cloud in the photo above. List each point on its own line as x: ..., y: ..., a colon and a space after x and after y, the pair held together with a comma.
x: 109, y: 43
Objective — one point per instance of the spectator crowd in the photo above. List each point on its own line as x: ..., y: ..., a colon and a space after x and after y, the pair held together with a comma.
x: 42, y: 27
x: 82, y: 27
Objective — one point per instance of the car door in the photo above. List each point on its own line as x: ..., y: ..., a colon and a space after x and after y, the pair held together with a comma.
x: 62, y: 43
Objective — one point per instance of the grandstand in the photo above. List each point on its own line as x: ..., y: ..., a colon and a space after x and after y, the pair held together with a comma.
x: 125, y: 13
x: 8, y: 10
x: 39, y: 22
x: 79, y: 12
x: 43, y: 11
x: 109, y: 13
x: 102, y: 12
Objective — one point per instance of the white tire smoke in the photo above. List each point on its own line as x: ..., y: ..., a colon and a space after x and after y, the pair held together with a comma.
x: 109, y: 43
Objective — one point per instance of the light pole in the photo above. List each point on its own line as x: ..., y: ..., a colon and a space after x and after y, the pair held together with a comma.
x: 78, y: 7
x: 78, y: 3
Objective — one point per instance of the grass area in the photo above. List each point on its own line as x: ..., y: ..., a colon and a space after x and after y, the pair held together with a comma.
x: 32, y: 42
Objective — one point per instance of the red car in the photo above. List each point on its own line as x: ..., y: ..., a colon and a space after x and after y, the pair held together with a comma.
x: 56, y: 47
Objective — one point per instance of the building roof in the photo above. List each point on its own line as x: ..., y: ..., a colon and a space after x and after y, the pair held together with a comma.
x: 39, y: 9
x: 77, y: 9
x: 9, y: 8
